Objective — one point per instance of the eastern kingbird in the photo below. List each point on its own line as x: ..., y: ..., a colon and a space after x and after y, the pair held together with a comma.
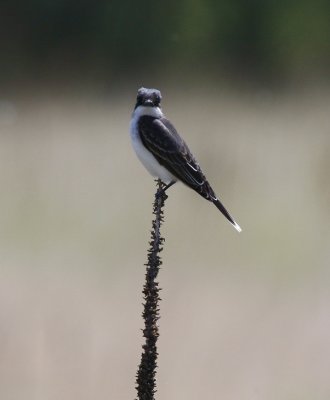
x: 164, y: 153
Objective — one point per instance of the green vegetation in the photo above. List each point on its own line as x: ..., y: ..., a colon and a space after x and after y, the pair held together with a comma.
x: 268, y: 39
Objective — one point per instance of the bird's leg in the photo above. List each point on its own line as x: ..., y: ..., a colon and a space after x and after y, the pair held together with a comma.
x: 168, y: 185
x: 163, y: 190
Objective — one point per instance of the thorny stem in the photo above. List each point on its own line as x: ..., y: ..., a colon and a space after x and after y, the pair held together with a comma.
x: 146, y: 375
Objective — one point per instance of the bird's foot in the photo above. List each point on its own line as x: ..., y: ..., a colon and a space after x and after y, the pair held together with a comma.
x: 161, y: 191
x: 161, y: 194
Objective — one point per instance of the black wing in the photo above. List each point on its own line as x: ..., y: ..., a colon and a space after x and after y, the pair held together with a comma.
x: 161, y: 138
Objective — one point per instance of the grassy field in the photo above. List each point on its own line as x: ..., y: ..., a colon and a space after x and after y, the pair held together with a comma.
x: 243, y: 316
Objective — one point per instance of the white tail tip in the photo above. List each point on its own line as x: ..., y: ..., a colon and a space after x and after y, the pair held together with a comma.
x: 237, y: 227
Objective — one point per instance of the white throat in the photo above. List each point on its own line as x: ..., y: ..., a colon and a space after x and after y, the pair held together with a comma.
x: 141, y: 111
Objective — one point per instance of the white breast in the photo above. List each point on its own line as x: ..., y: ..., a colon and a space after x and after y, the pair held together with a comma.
x: 144, y: 155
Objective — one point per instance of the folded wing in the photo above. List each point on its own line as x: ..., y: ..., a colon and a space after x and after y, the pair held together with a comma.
x: 161, y: 138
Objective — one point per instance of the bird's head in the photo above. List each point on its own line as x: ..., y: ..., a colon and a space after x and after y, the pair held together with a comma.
x: 148, y: 97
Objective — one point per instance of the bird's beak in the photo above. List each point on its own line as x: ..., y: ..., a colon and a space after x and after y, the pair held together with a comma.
x: 148, y: 102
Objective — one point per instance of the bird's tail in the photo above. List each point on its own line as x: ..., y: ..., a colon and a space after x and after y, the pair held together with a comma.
x: 221, y: 207
x: 206, y: 191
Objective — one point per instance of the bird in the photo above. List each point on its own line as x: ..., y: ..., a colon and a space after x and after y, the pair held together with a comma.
x: 164, y: 153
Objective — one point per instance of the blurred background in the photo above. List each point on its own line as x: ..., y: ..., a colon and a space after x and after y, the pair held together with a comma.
x: 242, y: 315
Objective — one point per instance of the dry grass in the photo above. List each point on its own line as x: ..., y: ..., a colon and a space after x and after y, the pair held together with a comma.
x: 244, y: 316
